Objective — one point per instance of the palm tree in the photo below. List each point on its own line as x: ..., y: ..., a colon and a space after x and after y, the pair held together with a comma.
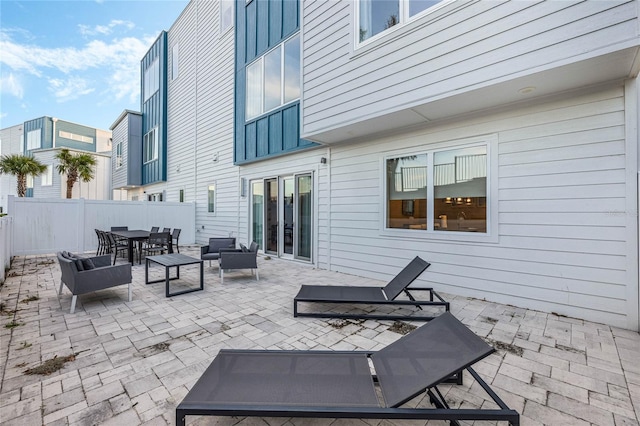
x: 21, y: 166
x: 75, y: 166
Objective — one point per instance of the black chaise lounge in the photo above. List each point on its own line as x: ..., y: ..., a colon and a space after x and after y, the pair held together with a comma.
x: 340, y: 384
x: 341, y: 296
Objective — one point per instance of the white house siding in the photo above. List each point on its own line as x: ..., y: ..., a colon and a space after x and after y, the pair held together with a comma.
x: 565, y: 242
x: 462, y: 46
x: 200, y: 119
x: 120, y: 134
x: 10, y: 139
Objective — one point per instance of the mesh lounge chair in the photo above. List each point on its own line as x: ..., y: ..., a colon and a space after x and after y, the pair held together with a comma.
x: 340, y: 384
x: 351, y: 295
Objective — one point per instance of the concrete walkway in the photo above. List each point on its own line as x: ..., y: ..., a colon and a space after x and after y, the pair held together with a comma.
x: 130, y: 363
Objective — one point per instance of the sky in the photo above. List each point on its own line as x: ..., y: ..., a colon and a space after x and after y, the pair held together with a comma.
x: 77, y: 60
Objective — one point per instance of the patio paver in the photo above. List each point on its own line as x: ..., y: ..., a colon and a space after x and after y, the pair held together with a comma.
x: 133, y: 362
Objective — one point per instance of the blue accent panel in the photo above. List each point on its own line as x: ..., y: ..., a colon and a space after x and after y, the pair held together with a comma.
x: 290, y: 15
x: 261, y: 25
x: 154, y: 111
x: 250, y: 141
x: 251, y: 30
x: 275, y: 22
x: 29, y: 192
x: 290, y: 131
x: 275, y: 132
x: 76, y: 129
x: 262, y: 139
x: 262, y: 43
x: 43, y: 124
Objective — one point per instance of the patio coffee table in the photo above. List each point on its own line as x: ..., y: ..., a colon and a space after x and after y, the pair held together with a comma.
x: 171, y: 260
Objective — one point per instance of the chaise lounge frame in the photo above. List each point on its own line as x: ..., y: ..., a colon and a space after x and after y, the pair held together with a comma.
x: 340, y: 384
x: 387, y: 295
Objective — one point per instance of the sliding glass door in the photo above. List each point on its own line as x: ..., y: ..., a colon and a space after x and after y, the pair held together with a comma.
x: 282, y: 215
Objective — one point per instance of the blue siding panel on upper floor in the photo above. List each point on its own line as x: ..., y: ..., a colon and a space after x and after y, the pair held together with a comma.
x: 43, y: 124
x: 275, y: 22
x: 76, y: 129
x: 290, y: 128
x: 262, y: 137
x: 262, y: 36
x: 275, y: 132
x: 251, y: 31
x: 250, y: 141
x: 290, y: 17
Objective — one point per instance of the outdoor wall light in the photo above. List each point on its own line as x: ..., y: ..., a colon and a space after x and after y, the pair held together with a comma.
x: 323, y: 160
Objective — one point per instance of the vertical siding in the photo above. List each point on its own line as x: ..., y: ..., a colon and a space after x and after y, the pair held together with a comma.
x: 76, y: 129
x: 561, y: 178
x: 262, y: 25
x: 459, y: 47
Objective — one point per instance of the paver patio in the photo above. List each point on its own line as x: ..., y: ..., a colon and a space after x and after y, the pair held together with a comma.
x: 133, y: 362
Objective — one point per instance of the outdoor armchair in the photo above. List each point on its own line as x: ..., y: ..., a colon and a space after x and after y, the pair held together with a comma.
x: 243, y: 258
x: 86, y: 275
x: 212, y: 250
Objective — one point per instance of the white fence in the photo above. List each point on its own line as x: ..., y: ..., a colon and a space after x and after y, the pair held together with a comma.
x: 47, y: 225
x: 6, y: 232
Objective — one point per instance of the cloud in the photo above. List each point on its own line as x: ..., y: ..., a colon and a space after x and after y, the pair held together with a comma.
x: 67, y: 68
x: 69, y: 89
x: 87, y: 30
x: 11, y: 85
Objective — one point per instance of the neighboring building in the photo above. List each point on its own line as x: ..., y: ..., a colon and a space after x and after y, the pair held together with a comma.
x: 43, y: 137
x: 496, y: 140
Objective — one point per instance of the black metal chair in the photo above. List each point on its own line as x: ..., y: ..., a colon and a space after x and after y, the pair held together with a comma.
x: 103, y: 243
x: 166, y: 230
x: 158, y: 242
x: 347, y: 384
x: 212, y: 251
x: 175, y: 236
x: 155, y: 228
x: 116, y: 246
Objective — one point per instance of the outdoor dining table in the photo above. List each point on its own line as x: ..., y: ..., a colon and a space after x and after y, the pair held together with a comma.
x: 131, y: 236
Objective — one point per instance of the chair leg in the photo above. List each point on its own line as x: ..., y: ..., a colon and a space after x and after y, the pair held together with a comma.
x: 221, y: 276
x: 73, y: 303
x: 130, y: 293
x: 61, y: 284
x: 257, y: 276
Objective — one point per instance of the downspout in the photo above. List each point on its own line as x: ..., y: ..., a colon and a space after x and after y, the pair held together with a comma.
x: 53, y: 136
x: 329, y: 208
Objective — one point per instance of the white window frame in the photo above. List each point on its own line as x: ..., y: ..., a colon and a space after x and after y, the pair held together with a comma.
x: 260, y: 62
x: 34, y: 139
x: 46, y: 178
x: 73, y: 136
x: 151, y: 79
x: 154, y: 146
x: 175, y: 61
x: 211, y: 188
x: 225, y: 7
x: 491, y: 236
x: 118, y: 152
x: 404, y: 18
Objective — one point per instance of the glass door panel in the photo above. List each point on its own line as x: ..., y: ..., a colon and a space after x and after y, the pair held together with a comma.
x: 271, y: 215
x: 288, y: 187
x: 257, y: 213
x: 303, y: 217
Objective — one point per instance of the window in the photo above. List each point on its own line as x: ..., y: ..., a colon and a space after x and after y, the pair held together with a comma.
x: 211, y: 198
x: 46, y: 179
x: 175, y: 60
x: 274, y: 79
x: 150, y: 145
x: 226, y: 15
x: 73, y: 136
x: 34, y: 139
x: 376, y: 16
x: 448, y: 185
x: 151, y: 79
x: 119, y: 154
x: 181, y: 197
